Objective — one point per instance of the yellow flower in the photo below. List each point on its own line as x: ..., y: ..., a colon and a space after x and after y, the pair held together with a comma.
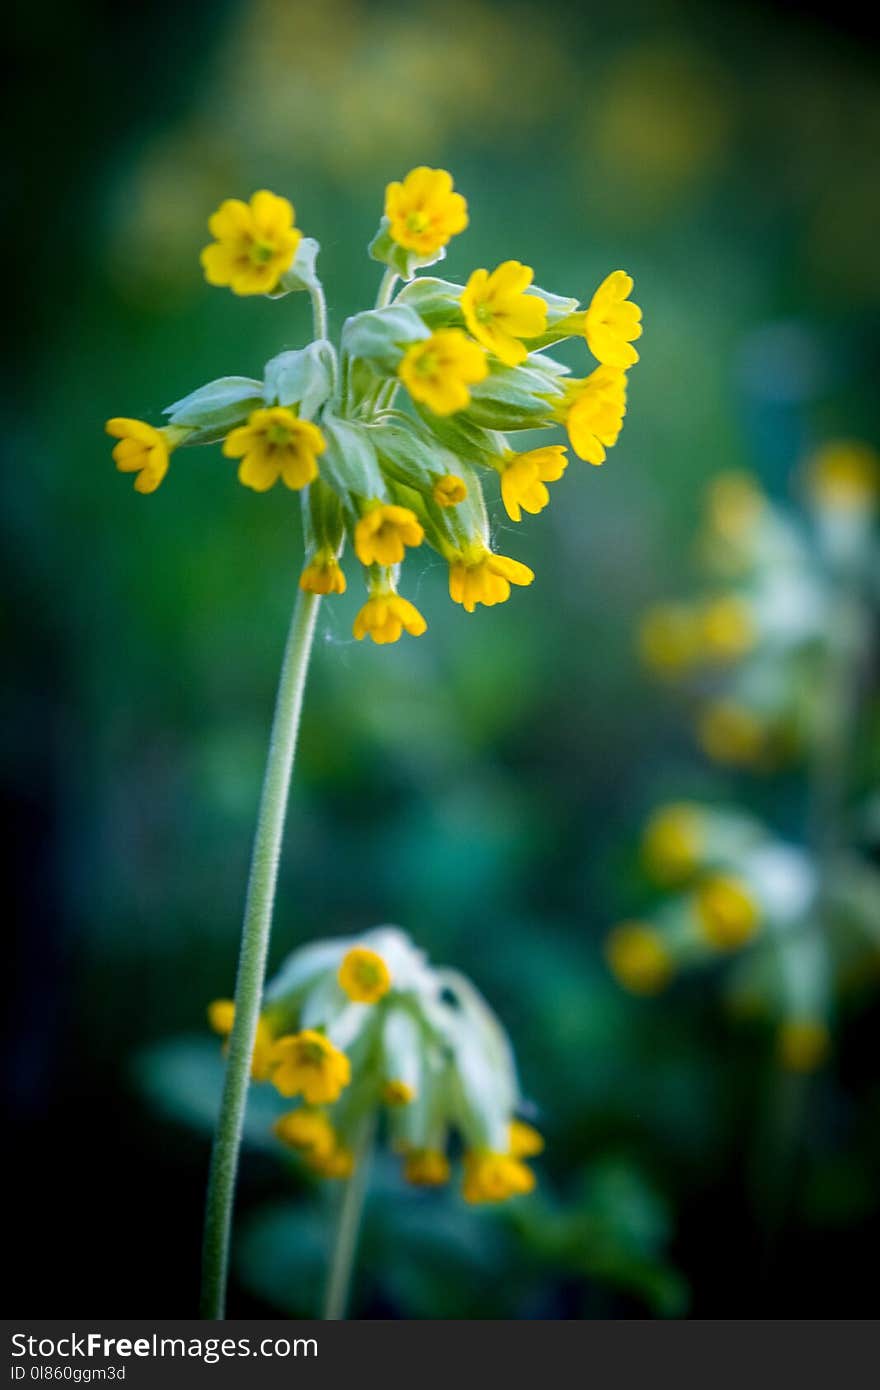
x: 221, y: 1016
x: 727, y: 913
x: 612, y: 322
x: 638, y: 958
x: 493, y: 1177
x: 523, y: 477
x: 845, y: 476
x: 438, y: 371
x: 669, y: 638
x: 479, y: 576
x: 397, y: 1092
x: 385, y: 615
x: 275, y: 444
x: 426, y: 1168
x: 323, y: 574
x: 255, y: 243
x: 449, y: 490
x: 423, y: 212
x: 730, y: 733
x: 382, y: 534
x: 726, y: 629
x: 308, y: 1063
x: 364, y: 976
x: 338, y: 1164
x: 524, y: 1141
x: 499, y: 313
x: 734, y: 504
x: 803, y: 1044
x: 593, y: 412
x: 142, y: 449
x: 673, y: 842
x: 306, y: 1129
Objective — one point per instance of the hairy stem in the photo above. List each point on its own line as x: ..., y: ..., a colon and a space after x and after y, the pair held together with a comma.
x: 348, y: 1228
x: 252, y: 957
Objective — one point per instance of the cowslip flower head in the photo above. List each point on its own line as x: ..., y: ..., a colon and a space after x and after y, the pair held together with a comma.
x: 523, y: 479
x: 493, y: 1177
x: 499, y: 312
x: 613, y: 322
x: 363, y: 975
x: 142, y: 449
x: 639, y: 958
x: 307, y: 1130
x: 438, y: 371
x: 383, y: 533
x: 308, y: 1064
x: 323, y: 574
x: 449, y: 490
x: 478, y: 575
x: 593, y: 412
x: 423, y: 211
x: 726, y: 911
x: 221, y: 1017
x: 254, y: 245
x: 275, y: 444
x: 386, y: 615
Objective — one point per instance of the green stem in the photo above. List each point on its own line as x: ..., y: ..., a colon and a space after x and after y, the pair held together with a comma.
x: 386, y: 288
x: 319, y: 311
x: 348, y: 1228
x: 252, y: 958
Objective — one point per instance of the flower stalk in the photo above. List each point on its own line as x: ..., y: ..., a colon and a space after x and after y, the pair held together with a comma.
x: 351, y: 1211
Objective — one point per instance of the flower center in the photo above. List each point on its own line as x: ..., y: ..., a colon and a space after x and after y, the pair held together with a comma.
x: 278, y: 434
x: 416, y: 222
x: 311, y: 1054
x: 426, y: 364
x: 484, y: 312
x: 260, y: 252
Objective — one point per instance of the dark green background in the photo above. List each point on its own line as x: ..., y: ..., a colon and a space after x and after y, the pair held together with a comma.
x: 483, y: 786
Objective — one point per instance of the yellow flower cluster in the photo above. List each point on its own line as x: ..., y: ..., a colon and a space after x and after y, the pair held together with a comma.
x: 474, y: 362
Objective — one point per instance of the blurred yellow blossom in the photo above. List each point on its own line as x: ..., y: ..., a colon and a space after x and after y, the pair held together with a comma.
x: 423, y: 211
x: 438, y: 371
x: 727, y: 913
x: 323, y: 574
x: 499, y: 312
x: 638, y: 957
x: 307, y: 1063
x: 254, y: 245
x: 275, y: 444
x: 363, y: 975
x: 672, y: 842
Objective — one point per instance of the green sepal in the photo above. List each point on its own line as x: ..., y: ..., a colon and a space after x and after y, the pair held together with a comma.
x: 349, y: 463
x: 379, y: 336
x: 403, y: 262
x: 303, y: 377
x: 513, y: 398
x: 302, y: 274
x: 437, y: 302
x: 216, y: 408
x: 323, y: 522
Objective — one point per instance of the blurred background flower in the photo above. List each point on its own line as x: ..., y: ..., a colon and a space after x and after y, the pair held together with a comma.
x: 485, y: 788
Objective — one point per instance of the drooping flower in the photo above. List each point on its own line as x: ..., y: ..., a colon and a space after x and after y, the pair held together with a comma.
x: 143, y: 449
x: 254, y: 245
x: 221, y: 1017
x: 523, y: 478
x: 524, y: 1141
x: 449, y: 490
x: 275, y: 444
x: 383, y: 533
x: 803, y: 1044
x: 339, y: 1163
x: 727, y: 629
x: 593, y: 412
x: 726, y: 911
x: 396, y: 1092
x: 478, y: 575
x: 363, y: 975
x: 493, y: 1177
x: 499, y: 313
x: 672, y: 842
x: 613, y: 322
x: 308, y: 1130
x: 386, y: 615
x: 731, y: 733
x: 438, y: 371
x: 669, y: 638
x: 323, y: 574
x: 307, y: 1063
x: 423, y: 211
x: 638, y: 957
x: 844, y: 475
x: 426, y: 1167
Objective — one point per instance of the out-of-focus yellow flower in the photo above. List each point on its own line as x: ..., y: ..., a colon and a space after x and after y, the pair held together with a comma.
x: 383, y: 533
x: 669, y: 638
x: 396, y: 1092
x: 638, y: 958
x: 438, y: 371
x: 307, y: 1063
x: 385, y: 616
x: 727, y: 629
x: 613, y: 322
x: 499, y: 313
x: 275, y: 444
x: 803, y: 1044
x: 306, y: 1129
x: 364, y: 976
x: 523, y: 478
x: 672, y: 842
x: 221, y: 1016
x: 423, y: 211
x: 493, y: 1177
x: 593, y: 411
x: 323, y: 574
x: 480, y: 576
x: 254, y: 245
x: 727, y: 913
x: 449, y: 490
x: 524, y: 1141
x: 845, y: 476
x: 339, y: 1163
x: 734, y: 504
x: 143, y: 449
x: 426, y: 1167
x: 730, y: 733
